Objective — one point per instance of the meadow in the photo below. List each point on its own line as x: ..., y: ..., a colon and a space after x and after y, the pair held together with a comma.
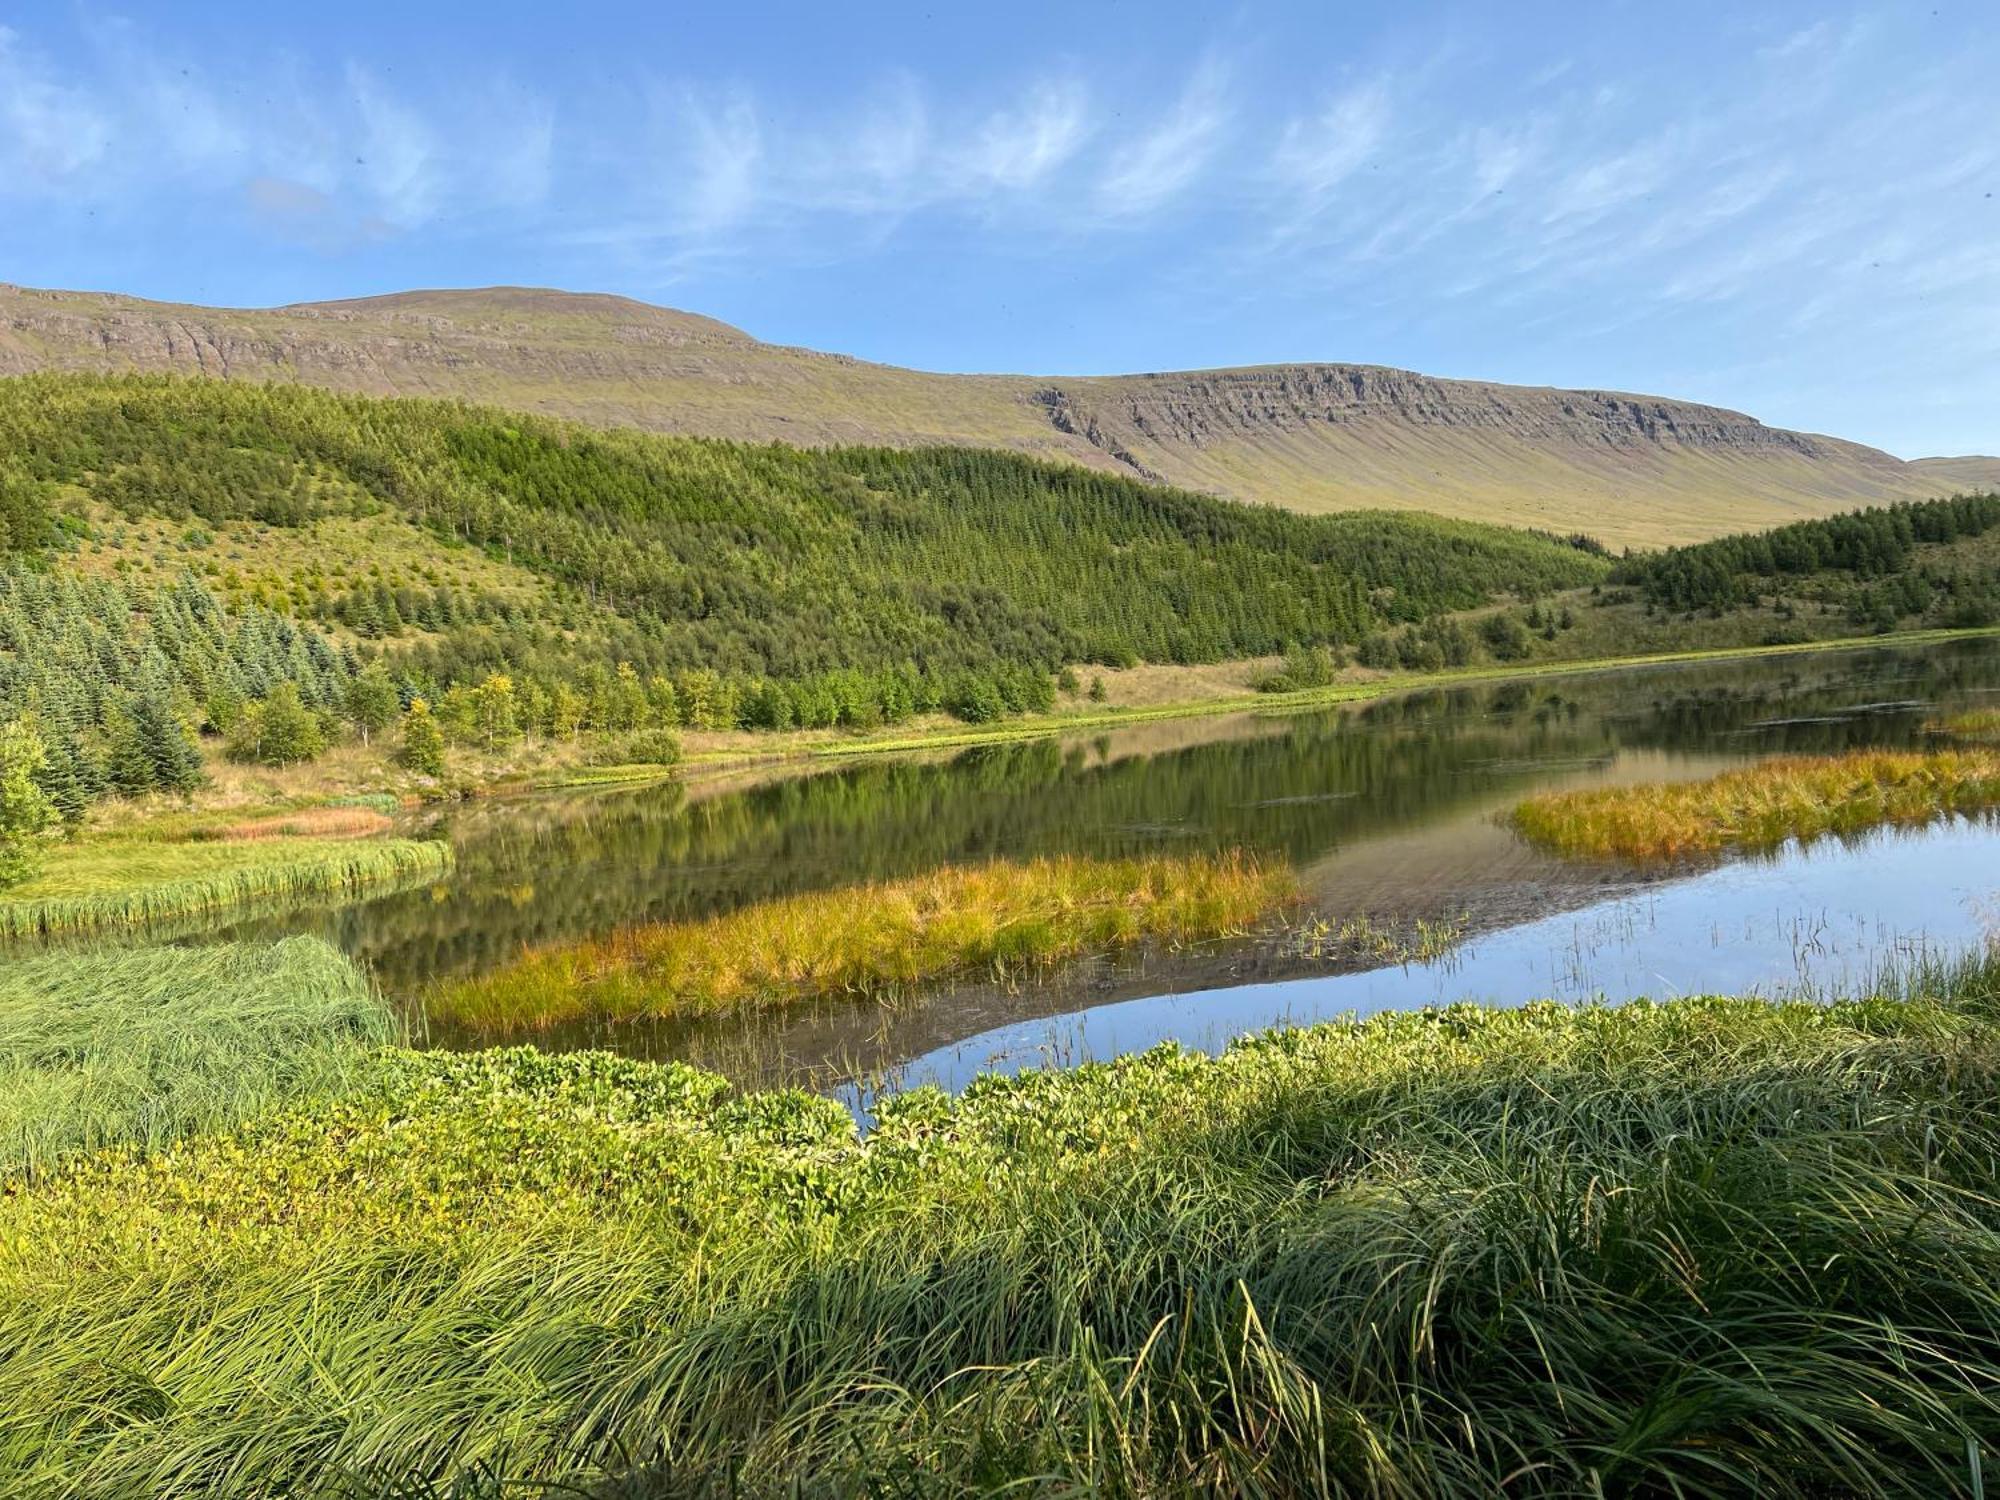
x: 1704, y: 1247
x: 1763, y: 805
x: 870, y: 940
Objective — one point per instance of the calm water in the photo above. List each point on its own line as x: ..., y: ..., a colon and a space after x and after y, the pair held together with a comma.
x: 1389, y: 810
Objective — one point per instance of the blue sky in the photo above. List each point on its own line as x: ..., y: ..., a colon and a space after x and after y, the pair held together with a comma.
x: 1785, y: 208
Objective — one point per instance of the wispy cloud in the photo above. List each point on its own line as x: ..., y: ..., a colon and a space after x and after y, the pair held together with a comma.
x: 49, y: 132
x: 1316, y: 155
x: 1019, y: 147
x: 717, y: 180
x: 1147, y: 171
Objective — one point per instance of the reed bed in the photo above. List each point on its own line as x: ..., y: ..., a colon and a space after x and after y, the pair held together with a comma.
x: 136, y: 882
x: 142, y: 1047
x: 1763, y: 805
x: 1980, y: 725
x: 1707, y: 1247
x: 870, y: 939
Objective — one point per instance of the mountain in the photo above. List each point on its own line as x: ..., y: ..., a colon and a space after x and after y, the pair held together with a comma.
x: 1633, y: 470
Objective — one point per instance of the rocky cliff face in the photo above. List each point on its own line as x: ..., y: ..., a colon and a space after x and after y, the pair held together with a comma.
x: 1633, y: 469
x: 1204, y: 407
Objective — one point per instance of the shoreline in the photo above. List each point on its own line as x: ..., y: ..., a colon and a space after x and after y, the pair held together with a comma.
x: 700, y: 763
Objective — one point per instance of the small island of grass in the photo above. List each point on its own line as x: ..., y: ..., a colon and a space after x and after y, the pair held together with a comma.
x: 1761, y: 806
x: 870, y: 939
x: 1979, y: 725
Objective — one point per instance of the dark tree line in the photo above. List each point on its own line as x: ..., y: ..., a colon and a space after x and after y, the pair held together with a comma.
x: 1875, y: 547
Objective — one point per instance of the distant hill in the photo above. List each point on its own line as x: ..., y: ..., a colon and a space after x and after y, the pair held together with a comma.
x: 1973, y: 474
x: 1633, y: 470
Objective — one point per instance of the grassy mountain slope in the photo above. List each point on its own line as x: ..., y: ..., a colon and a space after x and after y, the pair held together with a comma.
x: 1635, y: 470
x: 1969, y: 474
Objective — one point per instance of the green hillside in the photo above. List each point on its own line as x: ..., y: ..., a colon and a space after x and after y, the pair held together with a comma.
x: 1930, y: 562
x: 185, y: 547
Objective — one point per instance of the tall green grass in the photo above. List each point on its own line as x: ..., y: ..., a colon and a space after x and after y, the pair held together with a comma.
x: 143, y: 1047
x: 1708, y: 1247
x: 136, y: 882
x: 1762, y: 805
x: 869, y: 939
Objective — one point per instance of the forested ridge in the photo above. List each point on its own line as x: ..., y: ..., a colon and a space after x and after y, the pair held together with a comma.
x: 771, y: 560
x: 1870, y: 557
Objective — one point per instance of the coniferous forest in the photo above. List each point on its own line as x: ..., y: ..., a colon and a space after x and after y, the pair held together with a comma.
x: 676, y: 580
x: 1874, y: 549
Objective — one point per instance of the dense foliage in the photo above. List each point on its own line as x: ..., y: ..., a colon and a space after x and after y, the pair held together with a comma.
x: 1706, y: 1247
x: 768, y: 561
x: 1875, y: 548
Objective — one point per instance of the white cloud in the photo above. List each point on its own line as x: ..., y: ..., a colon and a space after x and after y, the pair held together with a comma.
x: 49, y: 133
x: 1147, y: 172
x: 1017, y: 148
x: 725, y: 150
x: 1316, y: 155
x: 398, y: 153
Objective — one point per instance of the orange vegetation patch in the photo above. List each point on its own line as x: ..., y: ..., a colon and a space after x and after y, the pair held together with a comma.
x: 311, y: 822
x: 1762, y: 806
x: 874, y: 939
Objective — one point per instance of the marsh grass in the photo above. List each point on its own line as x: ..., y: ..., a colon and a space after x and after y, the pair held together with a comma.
x: 1701, y: 1248
x: 140, y: 882
x: 1763, y: 805
x: 139, y: 1048
x: 870, y: 940
x: 1981, y: 725
x: 1367, y: 940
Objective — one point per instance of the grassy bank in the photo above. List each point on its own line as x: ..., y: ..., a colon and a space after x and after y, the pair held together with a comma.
x: 1355, y: 687
x: 1704, y: 1247
x: 134, y: 881
x: 1762, y: 805
x: 869, y: 939
x: 141, y: 1048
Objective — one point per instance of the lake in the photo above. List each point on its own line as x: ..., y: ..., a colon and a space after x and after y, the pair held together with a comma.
x: 1389, y: 810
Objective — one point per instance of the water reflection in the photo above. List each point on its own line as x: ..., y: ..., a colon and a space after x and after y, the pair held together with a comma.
x: 1811, y: 922
x: 1307, y: 787
x: 1388, y: 809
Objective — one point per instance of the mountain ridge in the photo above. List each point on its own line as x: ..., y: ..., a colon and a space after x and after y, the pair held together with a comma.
x: 1316, y: 437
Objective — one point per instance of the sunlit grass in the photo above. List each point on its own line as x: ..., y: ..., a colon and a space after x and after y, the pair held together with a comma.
x: 136, y: 881
x: 869, y: 939
x: 1706, y: 1247
x: 1763, y: 805
x: 144, y: 1046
